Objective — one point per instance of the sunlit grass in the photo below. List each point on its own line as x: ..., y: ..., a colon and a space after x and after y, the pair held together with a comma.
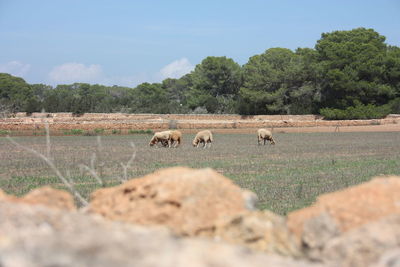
x: 286, y: 176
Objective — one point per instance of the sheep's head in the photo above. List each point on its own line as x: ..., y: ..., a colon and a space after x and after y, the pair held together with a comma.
x: 195, y: 142
x: 272, y: 141
x: 153, y: 141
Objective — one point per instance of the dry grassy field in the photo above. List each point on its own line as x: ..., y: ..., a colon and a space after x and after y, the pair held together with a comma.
x: 286, y: 176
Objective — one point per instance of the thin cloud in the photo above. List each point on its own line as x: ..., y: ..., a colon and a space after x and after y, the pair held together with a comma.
x: 15, y: 68
x: 176, y: 69
x: 76, y: 72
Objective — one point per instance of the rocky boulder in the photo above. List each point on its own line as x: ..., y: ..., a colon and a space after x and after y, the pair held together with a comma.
x: 47, y: 196
x: 187, y: 201
x: 259, y: 230
x: 33, y: 236
x: 352, y: 207
x: 368, y: 245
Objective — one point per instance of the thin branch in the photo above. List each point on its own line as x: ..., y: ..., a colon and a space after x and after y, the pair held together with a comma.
x: 128, y: 164
x: 92, y: 169
x: 50, y: 163
x: 48, y: 143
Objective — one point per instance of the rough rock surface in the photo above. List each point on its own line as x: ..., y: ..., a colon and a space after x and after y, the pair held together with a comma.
x: 317, y: 232
x: 47, y: 196
x: 188, y: 201
x: 33, y: 236
x: 391, y: 258
x: 366, y: 245
x: 259, y: 230
x: 353, y: 206
x: 4, y: 196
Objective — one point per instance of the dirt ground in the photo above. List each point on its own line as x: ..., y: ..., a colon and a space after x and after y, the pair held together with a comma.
x: 60, y: 123
x: 316, y: 129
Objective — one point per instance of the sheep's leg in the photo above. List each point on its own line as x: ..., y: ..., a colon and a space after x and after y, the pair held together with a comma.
x: 198, y: 144
x: 265, y: 141
x: 204, y: 143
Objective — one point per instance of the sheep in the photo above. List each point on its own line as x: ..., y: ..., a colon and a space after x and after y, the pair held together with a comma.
x: 264, y: 134
x: 163, y: 137
x: 204, y: 137
x: 176, y: 138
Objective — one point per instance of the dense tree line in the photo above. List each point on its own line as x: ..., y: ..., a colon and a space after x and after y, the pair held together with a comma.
x: 349, y: 74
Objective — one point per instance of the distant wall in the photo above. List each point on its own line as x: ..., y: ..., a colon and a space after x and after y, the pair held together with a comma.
x: 91, y: 121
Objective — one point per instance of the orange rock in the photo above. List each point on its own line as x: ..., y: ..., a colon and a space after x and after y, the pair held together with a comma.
x: 4, y: 196
x: 354, y: 206
x: 47, y: 196
x: 187, y: 201
x: 259, y: 230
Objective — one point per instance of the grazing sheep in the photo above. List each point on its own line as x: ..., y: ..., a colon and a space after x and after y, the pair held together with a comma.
x: 163, y: 137
x: 176, y: 138
x: 264, y: 134
x: 204, y: 137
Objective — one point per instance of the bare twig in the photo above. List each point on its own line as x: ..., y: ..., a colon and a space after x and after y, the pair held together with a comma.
x: 51, y: 164
x: 48, y: 143
x: 128, y: 164
x: 92, y: 168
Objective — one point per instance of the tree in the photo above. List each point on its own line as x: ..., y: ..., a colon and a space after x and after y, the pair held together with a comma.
x: 177, y: 91
x: 215, y: 84
x: 267, y: 79
x: 354, y: 66
x: 149, y: 98
x: 14, y: 92
x: 217, y: 76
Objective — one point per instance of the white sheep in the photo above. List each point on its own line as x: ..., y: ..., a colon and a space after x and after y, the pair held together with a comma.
x: 204, y: 137
x: 264, y: 134
x: 176, y: 138
x: 163, y: 137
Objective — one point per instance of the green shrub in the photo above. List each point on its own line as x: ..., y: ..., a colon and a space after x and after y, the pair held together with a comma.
x: 116, y: 131
x: 4, y: 132
x: 89, y: 133
x: 148, y: 131
x: 99, y: 131
x: 73, y: 132
x: 358, y: 112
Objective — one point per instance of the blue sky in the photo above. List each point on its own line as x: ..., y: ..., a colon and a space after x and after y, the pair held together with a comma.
x: 129, y: 42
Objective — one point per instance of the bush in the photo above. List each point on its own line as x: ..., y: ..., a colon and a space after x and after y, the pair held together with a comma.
x: 148, y: 131
x: 73, y: 132
x: 116, y: 131
x: 358, y: 112
x: 4, y: 132
x: 99, y: 131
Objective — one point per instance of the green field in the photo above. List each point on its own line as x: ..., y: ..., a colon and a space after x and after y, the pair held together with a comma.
x: 286, y: 176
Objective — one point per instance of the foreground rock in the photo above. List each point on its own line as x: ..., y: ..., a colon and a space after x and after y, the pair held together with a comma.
x: 352, y: 227
x: 188, y: 201
x: 33, y: 236
x: 47, y: 196
x: 259, y: 230
x: 365, y: 246
x: 353, y: 206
